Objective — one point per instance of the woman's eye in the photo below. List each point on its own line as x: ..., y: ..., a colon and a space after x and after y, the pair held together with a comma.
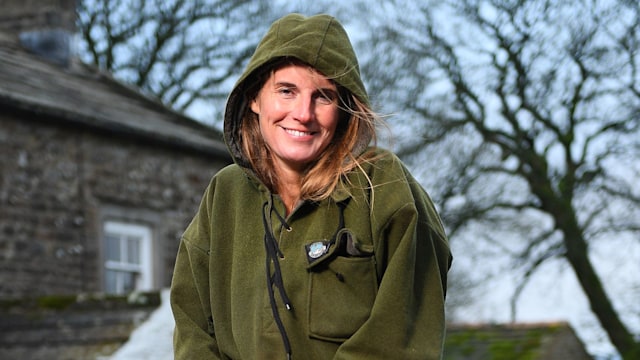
x: 326, y: 98
x: 285, y: 91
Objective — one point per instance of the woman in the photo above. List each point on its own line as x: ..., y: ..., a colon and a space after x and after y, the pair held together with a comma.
x: 312, y: 245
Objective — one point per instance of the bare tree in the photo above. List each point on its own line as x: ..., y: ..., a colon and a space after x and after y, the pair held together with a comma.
x: 533, y: 109
x: 179, y: 51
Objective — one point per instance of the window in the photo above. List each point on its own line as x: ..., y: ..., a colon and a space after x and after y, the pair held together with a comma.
x: 127, y: 249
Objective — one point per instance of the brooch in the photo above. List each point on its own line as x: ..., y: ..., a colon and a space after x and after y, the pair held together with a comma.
x: 317, y: 249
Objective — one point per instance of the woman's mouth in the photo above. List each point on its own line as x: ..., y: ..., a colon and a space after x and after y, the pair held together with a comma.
x: 298, y: 133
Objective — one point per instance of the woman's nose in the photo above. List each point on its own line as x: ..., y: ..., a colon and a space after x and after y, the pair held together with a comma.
x: 303, y: 109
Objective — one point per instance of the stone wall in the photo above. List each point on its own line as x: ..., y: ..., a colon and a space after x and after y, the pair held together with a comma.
x: 71, y: 327
x: 58, y: 185
x: 28, y: 15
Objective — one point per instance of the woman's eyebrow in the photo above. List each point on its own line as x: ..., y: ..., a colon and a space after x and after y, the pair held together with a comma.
x: 323, y: 90
x: 285, y: 83
x: 327, y: 92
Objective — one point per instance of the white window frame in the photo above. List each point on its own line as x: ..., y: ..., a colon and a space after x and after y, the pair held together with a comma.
x: 143, y: 270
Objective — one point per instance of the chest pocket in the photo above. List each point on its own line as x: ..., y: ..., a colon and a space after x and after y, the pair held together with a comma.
x: 342, y: 288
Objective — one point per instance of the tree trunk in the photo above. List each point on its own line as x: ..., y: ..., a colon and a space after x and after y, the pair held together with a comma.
x: 578, y: 257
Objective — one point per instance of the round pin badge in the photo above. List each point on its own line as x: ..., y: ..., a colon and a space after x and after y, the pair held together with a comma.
x: 317, y: 249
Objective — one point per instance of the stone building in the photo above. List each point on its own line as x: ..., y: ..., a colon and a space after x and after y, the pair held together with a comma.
x: 97, y: 182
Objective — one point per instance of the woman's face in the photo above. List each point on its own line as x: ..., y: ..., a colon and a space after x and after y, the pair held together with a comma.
x: 298, y: 112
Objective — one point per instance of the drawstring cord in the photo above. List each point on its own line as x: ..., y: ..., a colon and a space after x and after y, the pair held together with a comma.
x: 273, y: 253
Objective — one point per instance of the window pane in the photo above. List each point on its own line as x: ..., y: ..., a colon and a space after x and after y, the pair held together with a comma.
x: 113, y: 247
x: 120, y: 282
x: 111, y: 282
x: 128, y: 282
x: 133, y: 250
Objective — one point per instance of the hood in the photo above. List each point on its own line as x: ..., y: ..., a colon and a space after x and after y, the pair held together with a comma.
x: 319, y: 41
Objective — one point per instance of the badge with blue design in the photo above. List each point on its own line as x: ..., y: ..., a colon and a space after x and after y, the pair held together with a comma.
x: 316, y: 250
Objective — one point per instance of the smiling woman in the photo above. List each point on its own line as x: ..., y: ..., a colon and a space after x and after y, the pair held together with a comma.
x: 310, y: 99
x: 297, y: 111
x: 354, y: 255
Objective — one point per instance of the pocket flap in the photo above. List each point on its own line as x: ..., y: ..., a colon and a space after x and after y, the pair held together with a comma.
x: 345, y: 244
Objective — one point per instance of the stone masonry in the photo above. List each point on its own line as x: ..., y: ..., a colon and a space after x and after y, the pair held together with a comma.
x: 57, y: 185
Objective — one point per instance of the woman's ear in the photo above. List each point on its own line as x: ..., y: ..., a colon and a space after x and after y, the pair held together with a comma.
x: 255, y: 107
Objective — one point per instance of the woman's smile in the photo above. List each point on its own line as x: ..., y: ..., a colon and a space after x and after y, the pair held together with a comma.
x: 298, y: 133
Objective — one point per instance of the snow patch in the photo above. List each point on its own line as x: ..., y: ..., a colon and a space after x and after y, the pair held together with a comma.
x: 153, y: 339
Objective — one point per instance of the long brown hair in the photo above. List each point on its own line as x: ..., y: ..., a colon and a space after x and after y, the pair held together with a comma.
x: 356, y: 129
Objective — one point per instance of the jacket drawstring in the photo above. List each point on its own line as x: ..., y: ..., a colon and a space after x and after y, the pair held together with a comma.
x: 273, y: 253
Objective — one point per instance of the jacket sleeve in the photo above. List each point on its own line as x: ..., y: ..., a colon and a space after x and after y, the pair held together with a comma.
x: 407, y: 319
x: 194, y: 337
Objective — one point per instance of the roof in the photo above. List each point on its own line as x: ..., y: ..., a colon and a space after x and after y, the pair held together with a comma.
x: 531, y: 341
x: 80, y: 95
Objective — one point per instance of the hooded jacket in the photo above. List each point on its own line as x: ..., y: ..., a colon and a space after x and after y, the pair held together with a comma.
x: 360, y: 275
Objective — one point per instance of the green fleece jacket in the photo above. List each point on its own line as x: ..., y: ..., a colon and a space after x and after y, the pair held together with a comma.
x: 365, y: 270
x: 387, y: 303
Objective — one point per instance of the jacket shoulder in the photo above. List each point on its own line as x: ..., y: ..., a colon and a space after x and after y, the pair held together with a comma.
x: 232, y: 175
x: 233, y: 171
x: 385, y: 167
